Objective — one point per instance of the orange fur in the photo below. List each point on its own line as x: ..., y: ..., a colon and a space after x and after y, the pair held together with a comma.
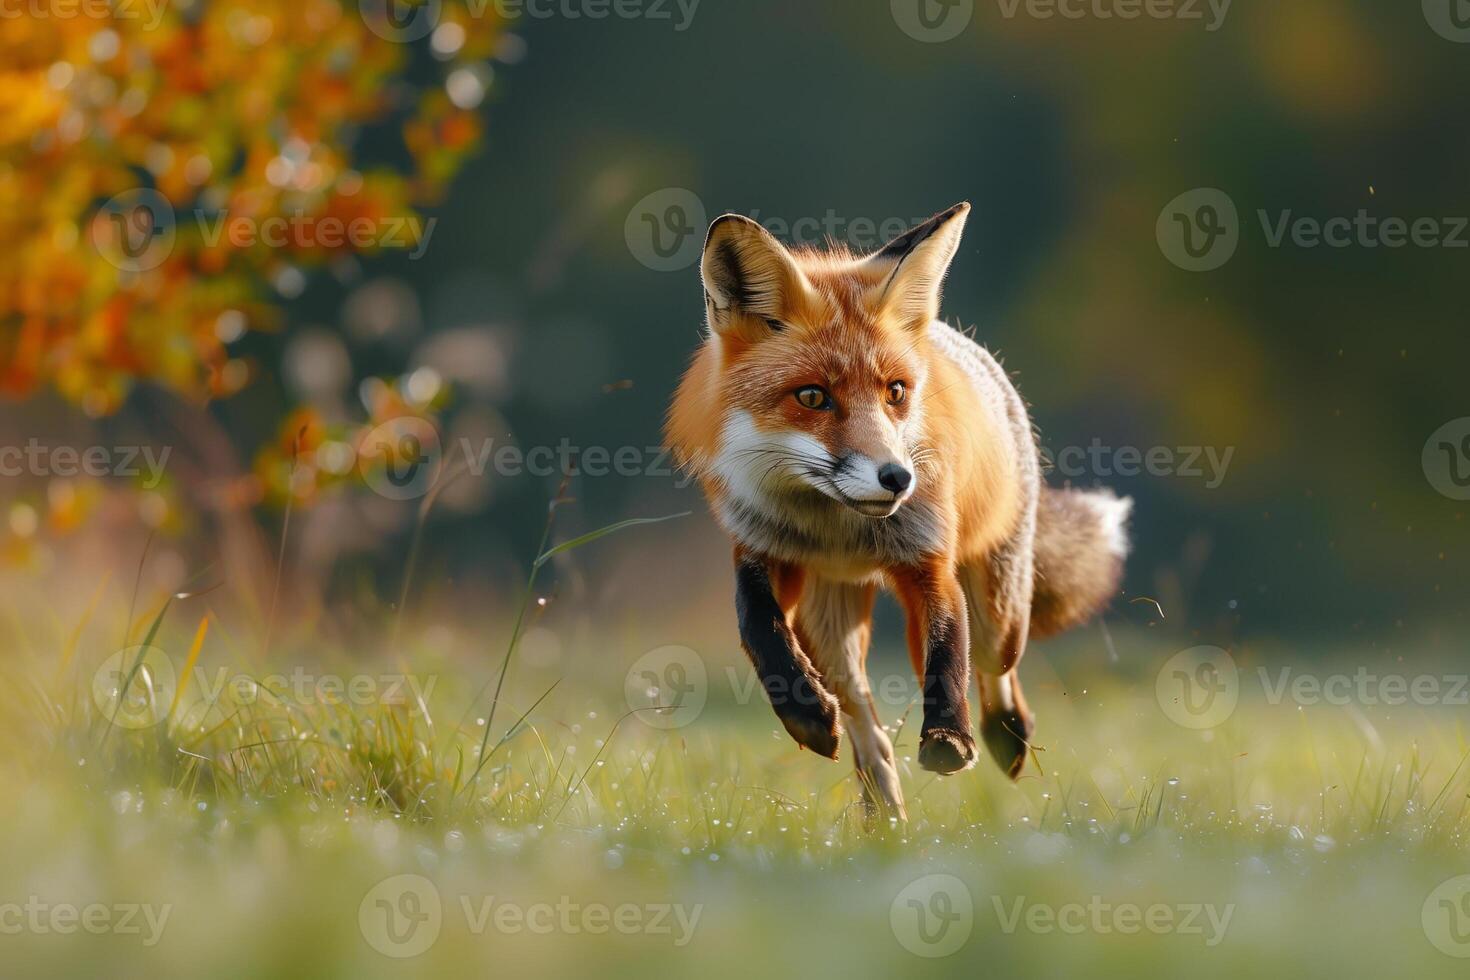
x: 845, y: 439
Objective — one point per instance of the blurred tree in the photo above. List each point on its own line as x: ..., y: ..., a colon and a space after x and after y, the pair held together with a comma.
x: 167, y: 170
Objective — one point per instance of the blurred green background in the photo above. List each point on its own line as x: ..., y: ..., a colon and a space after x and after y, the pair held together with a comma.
x: 1324, y: 369
x: 1317, y: 373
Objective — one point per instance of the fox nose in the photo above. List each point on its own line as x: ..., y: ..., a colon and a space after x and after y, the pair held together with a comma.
x: 894, y: 478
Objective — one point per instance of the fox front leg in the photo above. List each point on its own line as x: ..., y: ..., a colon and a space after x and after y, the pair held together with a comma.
x: 790, y: 681
x: 939, y: 647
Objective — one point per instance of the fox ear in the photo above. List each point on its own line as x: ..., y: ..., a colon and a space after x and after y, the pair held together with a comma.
x: 750, y: 279
x: 914, y: 265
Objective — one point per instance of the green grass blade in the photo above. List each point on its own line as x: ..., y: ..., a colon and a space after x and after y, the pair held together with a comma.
x: 603, y: 532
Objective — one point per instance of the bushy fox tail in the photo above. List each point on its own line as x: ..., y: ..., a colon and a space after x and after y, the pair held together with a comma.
x: 1081, y: 542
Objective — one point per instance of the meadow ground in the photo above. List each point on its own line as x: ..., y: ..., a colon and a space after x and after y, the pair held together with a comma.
x: 310, y: 812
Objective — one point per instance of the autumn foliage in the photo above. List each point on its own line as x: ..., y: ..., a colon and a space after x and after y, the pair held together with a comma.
x: 146, y: 148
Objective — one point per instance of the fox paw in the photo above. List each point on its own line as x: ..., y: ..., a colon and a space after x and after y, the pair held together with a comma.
x: 1007, y: 735
x: 946, y: 750
x: 811, y: 720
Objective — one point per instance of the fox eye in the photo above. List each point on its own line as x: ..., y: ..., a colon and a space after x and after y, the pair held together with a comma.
x: 896, y: 392
x: 814, y: 398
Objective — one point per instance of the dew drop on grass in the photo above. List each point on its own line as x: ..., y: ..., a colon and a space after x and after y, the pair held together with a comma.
x: 1173, y: 780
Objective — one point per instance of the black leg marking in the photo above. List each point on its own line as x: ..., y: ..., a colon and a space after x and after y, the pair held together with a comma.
x: 790, y: 681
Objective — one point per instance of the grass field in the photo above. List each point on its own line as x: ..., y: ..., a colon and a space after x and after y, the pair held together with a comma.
x: 309, y: 812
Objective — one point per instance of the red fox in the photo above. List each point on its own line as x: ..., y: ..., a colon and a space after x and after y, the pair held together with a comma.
x: 847, y: 439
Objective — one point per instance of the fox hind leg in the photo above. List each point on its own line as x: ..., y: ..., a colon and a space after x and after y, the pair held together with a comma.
x: 834, y: 623
x: 998, y: 595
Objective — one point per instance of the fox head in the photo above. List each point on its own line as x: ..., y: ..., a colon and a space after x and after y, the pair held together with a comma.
x: 820, y: 362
